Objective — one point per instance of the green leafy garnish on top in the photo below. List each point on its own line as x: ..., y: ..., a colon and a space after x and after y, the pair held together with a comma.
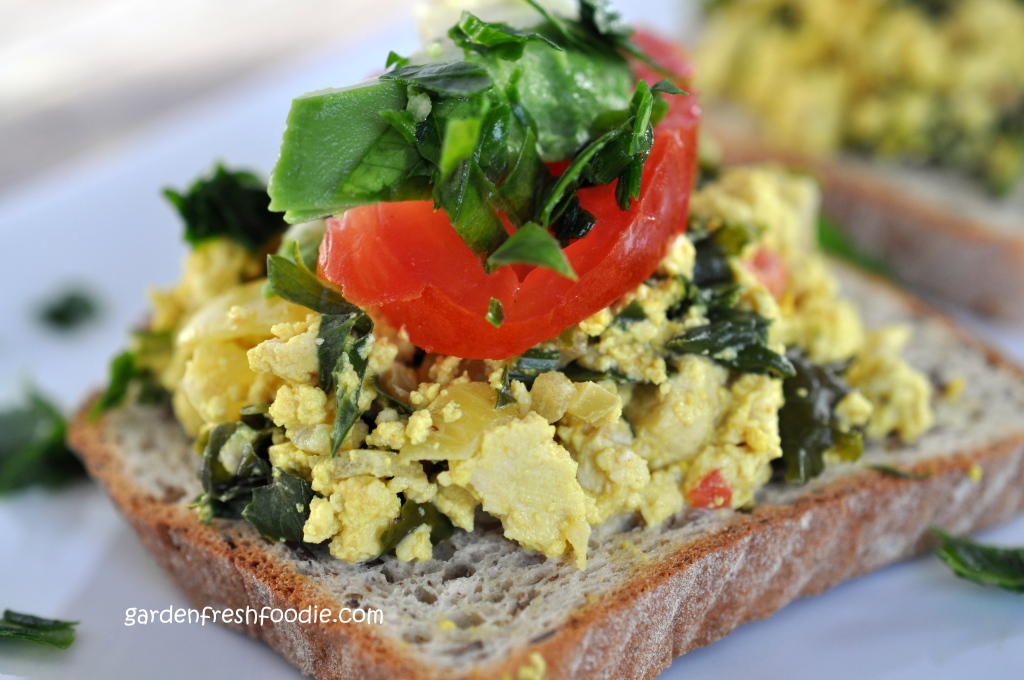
x: 52, y: 632
x: 475, y: 134
x: 228, y: 204
x: 1003, y: 567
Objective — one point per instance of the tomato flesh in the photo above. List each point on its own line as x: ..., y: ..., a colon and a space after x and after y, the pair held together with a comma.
x: 405, y: 261
x: 711, y: 492
x: 770, y: 269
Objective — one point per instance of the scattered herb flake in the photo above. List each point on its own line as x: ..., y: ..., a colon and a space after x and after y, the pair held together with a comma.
x: 32, y: 447
x: 495, y: 313
x: 69, y: 311
x: 1003, y: 567
x: 52, y: 632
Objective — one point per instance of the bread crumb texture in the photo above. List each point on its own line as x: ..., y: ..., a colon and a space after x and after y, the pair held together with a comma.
x: 638, y: 433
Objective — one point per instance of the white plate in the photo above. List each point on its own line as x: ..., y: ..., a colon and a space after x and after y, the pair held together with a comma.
x: 67, y: 554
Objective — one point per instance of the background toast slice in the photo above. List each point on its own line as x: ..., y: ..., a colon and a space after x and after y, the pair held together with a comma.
x: 935, y: 229
x: 646, y: 596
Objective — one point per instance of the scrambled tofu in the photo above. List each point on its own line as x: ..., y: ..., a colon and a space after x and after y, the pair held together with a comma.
x: 926, y: 81
x: 626, y: 419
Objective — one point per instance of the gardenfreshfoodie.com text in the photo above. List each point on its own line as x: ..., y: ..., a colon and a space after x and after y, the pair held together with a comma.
x: 249, y: 615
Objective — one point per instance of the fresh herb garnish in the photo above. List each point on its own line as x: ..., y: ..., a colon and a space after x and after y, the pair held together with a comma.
x: 52, y: 632
x: 630, y: 314
x: 495, y: 313
x: 412, y: 516
x: 525, y: 368
x: 1003, y: 567
x: 32, y: 447
x: 533, y: 245
x: 230, y: 204
x: 475, y: 135
x: 346, y: 334
x: 807, y: 423
x: 69, y: 311
x: 898, y: 473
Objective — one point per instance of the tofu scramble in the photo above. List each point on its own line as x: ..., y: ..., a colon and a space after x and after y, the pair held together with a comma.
x: 938, y: 82
x: 625, y: 412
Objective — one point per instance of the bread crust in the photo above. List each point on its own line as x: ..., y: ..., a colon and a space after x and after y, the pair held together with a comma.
x: 945, y: 253
x: 745, y: 570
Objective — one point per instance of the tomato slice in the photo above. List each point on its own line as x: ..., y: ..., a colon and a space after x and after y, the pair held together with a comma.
x: 405, y: 262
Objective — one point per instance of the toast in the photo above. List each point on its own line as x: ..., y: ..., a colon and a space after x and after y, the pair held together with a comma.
x: 486, y: 608
x: 935, y: 229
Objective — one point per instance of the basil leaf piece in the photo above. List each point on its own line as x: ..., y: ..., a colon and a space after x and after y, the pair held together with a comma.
x: 404, y: 122
x: 807, y: 424
x: 569, y: 180
x: 52, y: 632
x: 334, y: 332
x: 531, y: 244
x: 32, y: 447
x: 411, y: 517
x: 506, y: 42
x: 125, y: 369
x: 290, y: 279
x: 1003, y: 567
x: 339, y: 152
x: 280, y: 509
x: 459, y: 78
x: 395, y: 59
x: 229, y: 204
x: 666, y: 86
x: 461, y: 137
x: 495, y: 313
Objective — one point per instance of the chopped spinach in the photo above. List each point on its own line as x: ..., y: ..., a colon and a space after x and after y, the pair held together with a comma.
x: 226, y: 493
x: 52, y: 632
x: 230, y: 204
x: 69, y: 310
x: 412, y: 516
x: 807, y: 423
x: 473, y: 33
x: 1003, y: 567
x: 737, y: 340
x: 280, y: 509
x: 346, y: 335
x: 32, y: 447
x: 532, y: 363
x: 630, y: 314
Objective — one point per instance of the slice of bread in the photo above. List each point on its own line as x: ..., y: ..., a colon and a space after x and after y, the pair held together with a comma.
x: 936, y: 229
x: 486, y: 608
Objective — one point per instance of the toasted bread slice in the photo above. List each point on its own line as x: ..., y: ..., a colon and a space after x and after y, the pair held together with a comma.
x: 935, y: 229
x: 486, y: 608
